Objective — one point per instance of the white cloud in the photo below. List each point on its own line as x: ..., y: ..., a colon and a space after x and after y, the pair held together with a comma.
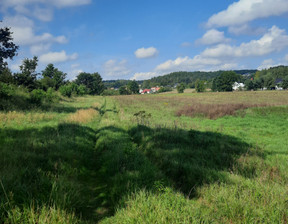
x: 187, y: 64
x: 146, y: 52
x: 40, y: 9
x: 56, y: 57
x: 246, y: 29
x: 56, y: 3
x: 268, y: 63
x: 244, y: 11
x: 24, y: 34
x: 113, y: 68
x: 212, y: 36
x: 144, y: 75
x: 274, y: 40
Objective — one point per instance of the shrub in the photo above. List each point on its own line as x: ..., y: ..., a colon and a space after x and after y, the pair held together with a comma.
x: 110, y: 92
x: 51, y: 96
x: 66, y: 90
x: 200, y: 85
x: 181, y: 88
x: 5, y: 90
x: 37, y: 96
x: 81, y: 90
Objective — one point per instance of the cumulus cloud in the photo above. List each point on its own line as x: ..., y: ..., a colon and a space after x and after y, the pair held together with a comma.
x: 144, y: 75
x: 274, y: 40
x: 213, y: 36
x: 146, y: 52
x: 268, y: 63
x: 245, y: 11
x: 56, y: 57
x: 40, y: 9
x: 246, y: 29
x: 24, y: 34
x: 114, y: 68
x: 187, y: 64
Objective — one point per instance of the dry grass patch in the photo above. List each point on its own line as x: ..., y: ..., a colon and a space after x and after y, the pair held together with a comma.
x: 83, y: 116
x: 214, y: 111
x: 13, y: 117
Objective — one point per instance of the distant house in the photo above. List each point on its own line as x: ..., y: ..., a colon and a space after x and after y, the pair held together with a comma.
x: 278, y: 83
x: 155, y: 89
x: 238, y: 86
x: 146, y: 91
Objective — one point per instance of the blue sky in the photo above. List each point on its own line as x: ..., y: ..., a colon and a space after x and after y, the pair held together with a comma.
x: 137, y: 39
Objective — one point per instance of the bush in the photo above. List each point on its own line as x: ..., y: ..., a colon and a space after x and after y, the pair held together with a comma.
x: 200, y: 86
x: 66, y: 90
x: 37, y: 96
x: 81, y: 90
x: 110, y: 92
x: 164, y: 89
x: 5, y: 90
x: 181, y: 88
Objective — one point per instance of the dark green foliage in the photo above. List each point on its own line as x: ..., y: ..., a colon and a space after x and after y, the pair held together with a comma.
x: 133, y: 87
x: 66, y: 90
x: 259, y: 83
x: 81, y: 90
x: 52, y: 77
x: 200, y: 85
x: 269, y: 81
x: 110, y: 92
x: 285, y: 83
x: 250, y: 85
x: 164, y: 89
x: 181, y: 88
x: 124, y: 91
x: 93, y: 82
x: 7, y: 48
x: 225, y: 81
x: 28, y: 75
x: 37, y: 97
x: 186, y: 77
x: 6, y: 76
x: 5, y: 90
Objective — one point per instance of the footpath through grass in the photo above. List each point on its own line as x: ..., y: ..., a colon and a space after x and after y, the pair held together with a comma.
x: 131, y: 159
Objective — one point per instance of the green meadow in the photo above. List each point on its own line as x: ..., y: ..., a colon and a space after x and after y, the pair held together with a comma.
x: 162, y: 158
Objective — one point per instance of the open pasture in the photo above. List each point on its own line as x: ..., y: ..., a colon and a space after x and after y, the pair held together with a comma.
x: 144, y: 159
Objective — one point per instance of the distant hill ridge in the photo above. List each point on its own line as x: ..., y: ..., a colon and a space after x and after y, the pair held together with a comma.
x: 190, y: 78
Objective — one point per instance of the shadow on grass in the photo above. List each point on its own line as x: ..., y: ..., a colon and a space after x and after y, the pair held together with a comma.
x: 91, y: 172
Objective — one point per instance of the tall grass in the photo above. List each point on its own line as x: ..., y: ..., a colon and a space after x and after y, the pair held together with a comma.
x: 89, y: 160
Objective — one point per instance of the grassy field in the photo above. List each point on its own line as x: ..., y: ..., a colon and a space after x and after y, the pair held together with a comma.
x: 165, y: 158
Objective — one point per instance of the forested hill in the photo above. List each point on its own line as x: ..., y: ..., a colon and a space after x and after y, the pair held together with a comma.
x: 188, y: 78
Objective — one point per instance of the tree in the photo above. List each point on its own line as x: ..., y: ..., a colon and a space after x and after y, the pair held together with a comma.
x: 269, y: 82
x: 225, y: 81
x: 133, y: 87
x: 285, y: 83
x: 200, y: 85
x: 181, y: 88
x: 7, y: 48
x: 93, y: 82
x: 124, y: 91
x: 52, y: 77
x: 6, y: 76
x: 28, y: 74
x: 250, y: 85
